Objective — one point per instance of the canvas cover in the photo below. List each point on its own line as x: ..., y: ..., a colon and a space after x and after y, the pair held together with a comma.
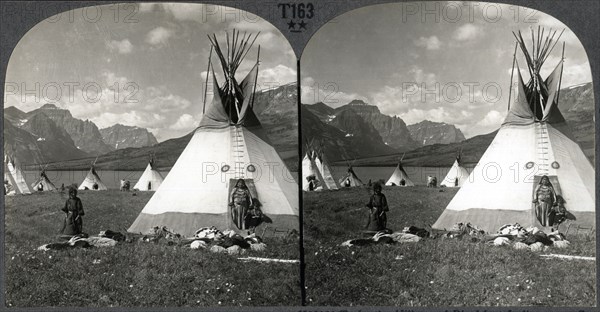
x: 14, y: 178
x: 311, y: 171
x: 534, y: 141
x: 228, y: 145
x: 499, y: 189
x: 195, y: 193
x: 398, y: 175
x: 323, y: 167
x: 350, y: 178
x: 90, y: 179
x: 45, y: 182
x: 456, y: 177
x: 150, y: 180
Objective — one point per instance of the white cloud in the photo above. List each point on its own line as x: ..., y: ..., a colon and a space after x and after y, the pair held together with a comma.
x: 431, y: 43
x: 123, y: 47
x: 159, y: 35
x: 161, y: 100
x: 467, y: 32
x: 576, y: 74
x: 326, y: 92
x: 186, y: 122
x: 146, y: 7
x: 438, y: 114
x: 112, y: 79
x: 490, y: 122
x: 492, y: 119
x: 251, y: 23
x: 278, y: 75
x: 419, y: 76
x: 184, y: 11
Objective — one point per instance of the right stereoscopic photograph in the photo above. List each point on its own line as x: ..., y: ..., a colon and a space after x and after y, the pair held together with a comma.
x: 448, y: 158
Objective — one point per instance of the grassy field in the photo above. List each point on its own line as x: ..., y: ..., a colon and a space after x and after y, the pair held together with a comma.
x: 130, y: 274
x: 432, y: 272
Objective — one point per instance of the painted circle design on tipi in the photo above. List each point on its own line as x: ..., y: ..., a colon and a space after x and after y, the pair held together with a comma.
x: 555, y: 165
x: 251, y: 168
x: 225, y: 168
x: 529, y: 165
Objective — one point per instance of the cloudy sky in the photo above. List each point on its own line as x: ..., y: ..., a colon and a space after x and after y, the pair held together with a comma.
x: 138, y: 65
x: 440, y: 61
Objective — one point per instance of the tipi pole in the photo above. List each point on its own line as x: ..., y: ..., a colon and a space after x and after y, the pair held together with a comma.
x: 561, y: 71
x: 206, y: 82
x: 511, y: 75
x: 255, y: 78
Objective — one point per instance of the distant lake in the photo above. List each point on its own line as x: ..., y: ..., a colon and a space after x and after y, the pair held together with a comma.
x: 417, y: 174
x: 111, y: 178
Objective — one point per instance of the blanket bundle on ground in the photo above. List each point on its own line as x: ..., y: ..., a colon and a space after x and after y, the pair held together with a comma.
x: 531, y: 238
x: 383, y: 238
x: 81, y: 241
x: 158, y: 233
x: 463, y: 230
x: 416, y: 231
x: 227, y: 241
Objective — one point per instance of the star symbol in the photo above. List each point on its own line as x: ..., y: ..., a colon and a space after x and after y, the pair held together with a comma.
x: 302, y: 24
x: 291, y: 24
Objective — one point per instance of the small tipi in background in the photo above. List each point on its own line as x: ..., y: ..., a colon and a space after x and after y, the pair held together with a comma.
x: 150, y: 179
x: 311, y: 177
x: 457, y: 176
x: 229, y: 145
x: 350, y: 179
x: 43, y: 183
x: 14, y: 180
x: 316, y: 174
x: 328, y: 181
x: 92, y: 181
x: 534, y: 141
x: 399, y: 176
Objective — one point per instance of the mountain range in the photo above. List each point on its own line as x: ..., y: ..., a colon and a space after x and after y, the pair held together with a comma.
x: 275, y: 108
x: 358, y: 130
x: 121, y: 136
x: 50, y: 134
x: 576, y: 103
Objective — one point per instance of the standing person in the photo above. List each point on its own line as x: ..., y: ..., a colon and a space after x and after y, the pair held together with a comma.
x: 544, y: 199
x: 378, y: 210
x: 240, y: 201
x: 73, y: 224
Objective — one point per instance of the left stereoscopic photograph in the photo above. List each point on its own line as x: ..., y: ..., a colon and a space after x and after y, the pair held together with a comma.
x: 150, y: 160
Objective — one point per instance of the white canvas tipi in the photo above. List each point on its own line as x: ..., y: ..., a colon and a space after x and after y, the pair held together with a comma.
x: 14, y: 180
x: 43, y: 183
x: 311, y: 177
x: 398, y: 176
x: 92, y: 181
x: 229, y: 144
x: 457, y: 176
x: 350, y: 179
x: 534, y: 141
x: 328, y: 181
x: 150, y: 180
